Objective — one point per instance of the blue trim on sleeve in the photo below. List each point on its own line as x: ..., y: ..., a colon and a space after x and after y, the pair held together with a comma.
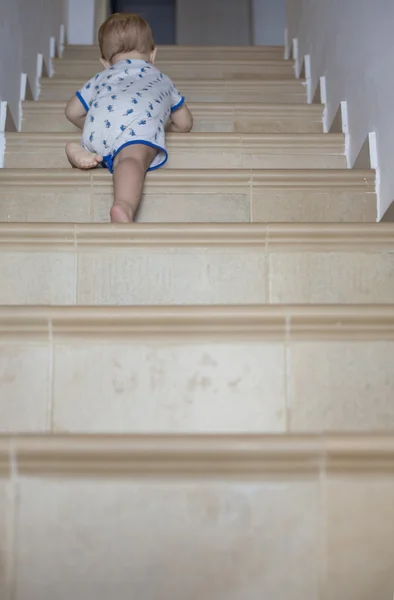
x: 79, y: 96
x: 108, y: 161
x: 174, y: 108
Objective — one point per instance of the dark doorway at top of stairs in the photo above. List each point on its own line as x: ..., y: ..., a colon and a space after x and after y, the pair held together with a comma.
x: 160, y: 14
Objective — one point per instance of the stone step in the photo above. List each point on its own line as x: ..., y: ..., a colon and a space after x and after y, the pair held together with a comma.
x: 172, y: 195
x: 286, y: 91
x: 251, y: 369
x: 189, y: 69
x: 208, y: 117
x: 176, y: 264
x: 199, y: 150
x: 81, y: 52
x: 285, y: 509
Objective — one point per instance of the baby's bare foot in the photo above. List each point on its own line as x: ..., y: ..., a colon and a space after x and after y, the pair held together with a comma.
x: 81, y: 158
x: 121, y: 213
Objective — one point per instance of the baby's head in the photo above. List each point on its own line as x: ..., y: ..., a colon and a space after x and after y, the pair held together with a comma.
x: 124, y: 34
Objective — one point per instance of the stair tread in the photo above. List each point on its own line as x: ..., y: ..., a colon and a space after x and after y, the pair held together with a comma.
x: 209, y: 141
x: 206, y: 108
x: 199, y: 150
x: 233, y: 68
x: 197, y: 83
x: 192, y: 47
x: 205, y: 136
x: 49, y: 116
x: 160, y: 63
x: 203, y: 90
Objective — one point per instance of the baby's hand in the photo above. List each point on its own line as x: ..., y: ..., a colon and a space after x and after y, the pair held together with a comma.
x: 181, y: 120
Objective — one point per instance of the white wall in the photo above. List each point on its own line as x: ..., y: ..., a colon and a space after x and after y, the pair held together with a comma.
x: 81, y: 21
x: 351, y: 42
x: 25, y: 29
x: 213, y: 22
x: 269, y: 22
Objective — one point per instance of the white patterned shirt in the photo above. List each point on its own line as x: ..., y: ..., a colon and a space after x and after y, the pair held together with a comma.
x: 128, y: 103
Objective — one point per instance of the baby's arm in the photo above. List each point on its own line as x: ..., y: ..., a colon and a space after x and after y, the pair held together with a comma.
x: 75, y: 112
x: 181, y: 120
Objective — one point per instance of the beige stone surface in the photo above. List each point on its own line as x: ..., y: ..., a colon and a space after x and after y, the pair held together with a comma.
x: 166, y: 275
x: 63, y: 93
x: 255, y: 160
x: 45, y: 206
x: 83, y: 52
x: 249, y: 533
x: 55, y: 121
x: 341, y: 386
x: 219, y: 124
x: 180, y: 159
x: 292, y: 94
x: 270, y: 125
x: 209, y: 70
x: 164, y: 386
x: 360, y: 536
x: 186, y: 207
x: 269, y: 205
x: 158, y: 540
x: 70, y: 203
x: 36, y: 160
x: 223, y: 95
x: 313, y: 205
x: 179, y: 52
x: 42, y: 121
x: 338, y: 277
x: 38, y: 277
x: 25, y: 387
x: 6, y: 538
x: 195, y: 208
x: 174, y: 273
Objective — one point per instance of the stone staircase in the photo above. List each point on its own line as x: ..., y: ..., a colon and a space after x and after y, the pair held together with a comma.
x: 200, y: 405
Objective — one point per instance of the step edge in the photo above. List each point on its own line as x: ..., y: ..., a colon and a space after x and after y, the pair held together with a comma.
x: 175, y: 62
x: 272, y: 237
x: 201, y: 178
x: 195, y: 456
x: 284, y: 324
x: 78, y: 82
x: 181, y: 48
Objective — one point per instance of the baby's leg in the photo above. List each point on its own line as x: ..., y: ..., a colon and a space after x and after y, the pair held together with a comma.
x: 80, y: 158
x: 130, y: 167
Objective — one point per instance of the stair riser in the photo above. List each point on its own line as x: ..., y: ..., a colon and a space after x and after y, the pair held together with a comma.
x: 129, y: 502
x: 207, y: 158
x: 145, y: 274
x: 36, y: 122
x: 76, y: 205
x: 294, y: 93
x: 189, y: 53
x: 84, y: 383
x: 135, y: 518
x: 228, y: 70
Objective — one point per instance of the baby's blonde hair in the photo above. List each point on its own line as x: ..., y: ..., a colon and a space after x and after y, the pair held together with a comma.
x: 125, y: 32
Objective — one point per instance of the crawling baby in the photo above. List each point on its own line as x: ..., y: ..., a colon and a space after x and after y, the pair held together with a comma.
x: 125, y: 111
